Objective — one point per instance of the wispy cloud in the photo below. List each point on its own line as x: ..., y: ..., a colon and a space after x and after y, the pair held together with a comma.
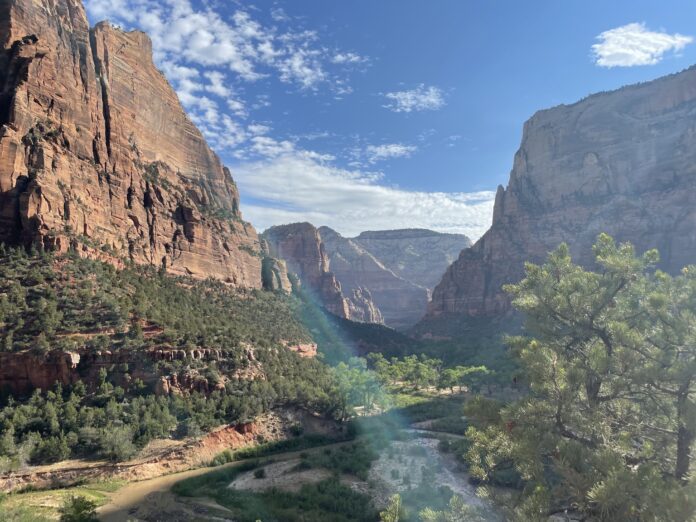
x: 634, y: 44
x: 208, y: 56
x: 297, y: 187
x: 421, y: 98
x: 349, y: 58
x: 377, y: 153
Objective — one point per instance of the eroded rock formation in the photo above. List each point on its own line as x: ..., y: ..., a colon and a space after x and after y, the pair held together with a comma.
x: 401, y: 302
x: 20, y: 374
x: 23, y: 372
x: 301, y: 246
x: 417, y: 255
x: 621, y: 162
x: 96, y: 153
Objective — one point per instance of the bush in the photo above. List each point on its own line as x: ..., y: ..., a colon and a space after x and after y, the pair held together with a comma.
x: 78, y: 509
x: 117, y: 444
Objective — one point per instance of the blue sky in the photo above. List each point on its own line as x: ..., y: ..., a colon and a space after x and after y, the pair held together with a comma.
x: 368, y: 114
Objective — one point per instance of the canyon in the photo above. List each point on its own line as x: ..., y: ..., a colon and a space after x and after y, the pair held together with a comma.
x: 349, y: 280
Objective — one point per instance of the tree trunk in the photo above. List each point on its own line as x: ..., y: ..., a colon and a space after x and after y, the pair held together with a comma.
x: 593, y: 384
x: 685, y: 438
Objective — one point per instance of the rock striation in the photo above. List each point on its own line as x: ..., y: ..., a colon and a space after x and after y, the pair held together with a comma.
x: 417, y: 255
x: 97, y: 154
x: 302, y: 248
x: 401, y: 302
x: 621, y: 162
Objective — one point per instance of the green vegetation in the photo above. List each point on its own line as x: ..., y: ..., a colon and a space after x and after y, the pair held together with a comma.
x: 78, y: 509
x: 152, y: 174
x: 325, y: 500
x: 42, y: 506
x: 353, y: 459
x: 456, y: 510
x: 46, y: 301
x: 608, y: 428
x: 49, y: 303
x: 424, y: 372
x: 480, y: 345
x: 273, y: 448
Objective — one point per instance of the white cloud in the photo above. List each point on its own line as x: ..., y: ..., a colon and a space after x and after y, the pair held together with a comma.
x: 279, y: 15
x: 295, y: 187
x: 633, y: 44
x: 350, y: 58
x: 377, y: 153
x: 419, y: 99
x: 202, y: 51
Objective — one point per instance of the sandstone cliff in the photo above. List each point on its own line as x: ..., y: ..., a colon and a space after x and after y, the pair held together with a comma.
x: 401, y: 302
x: 97, y: 154
x: 301, y: 246
x: 416, y: 255
x: 621, y: 162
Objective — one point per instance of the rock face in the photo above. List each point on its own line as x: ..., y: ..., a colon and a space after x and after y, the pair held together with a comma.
x: 417, y: 255
x: 621, y: 162
x: 301, y: 246
x: 96, y: 153
x: 21, y: 374
x: 401, y: 302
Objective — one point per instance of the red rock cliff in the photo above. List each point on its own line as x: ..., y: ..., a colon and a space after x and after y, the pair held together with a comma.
x: 96, y: 151
x: 301, y: 246
x: 622, y: 162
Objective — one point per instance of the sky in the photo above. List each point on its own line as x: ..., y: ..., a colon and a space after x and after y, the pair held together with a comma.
x: 382, y: 114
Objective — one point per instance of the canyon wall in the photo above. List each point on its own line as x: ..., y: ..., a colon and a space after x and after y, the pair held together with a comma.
x: 621, y: 162
x: 97, y: 154
x: 302, y: 248
x: 401, y: 302
x: 417, y: 255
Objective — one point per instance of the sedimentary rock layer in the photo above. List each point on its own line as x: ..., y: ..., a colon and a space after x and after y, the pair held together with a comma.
x: 301, y: 246
x: 417, y: 255
x: 97, y: 154
x: 401, y: 302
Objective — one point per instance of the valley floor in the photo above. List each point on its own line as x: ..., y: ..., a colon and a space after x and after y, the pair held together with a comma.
x: 409, y: 456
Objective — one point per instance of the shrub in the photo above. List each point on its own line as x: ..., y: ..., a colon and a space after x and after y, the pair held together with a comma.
x: 78, y: 509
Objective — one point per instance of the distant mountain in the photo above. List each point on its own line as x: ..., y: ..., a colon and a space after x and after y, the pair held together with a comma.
x: 417, y: 255
x: 400, y: 301
x: 302, y: 247
x: 621, y: 162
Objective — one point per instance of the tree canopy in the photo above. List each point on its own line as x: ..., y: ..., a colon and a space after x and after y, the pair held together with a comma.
x: 610, y: 357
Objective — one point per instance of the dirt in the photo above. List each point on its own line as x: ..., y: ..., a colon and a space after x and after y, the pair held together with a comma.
x: 279, y: 475
x: 164, y: 457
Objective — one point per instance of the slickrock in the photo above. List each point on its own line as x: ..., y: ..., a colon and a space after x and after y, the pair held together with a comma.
x: 97, y: 154
x: 401, y: 302
x: 417, y: 255
x: 621, y: 162
x: 301, y: 246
